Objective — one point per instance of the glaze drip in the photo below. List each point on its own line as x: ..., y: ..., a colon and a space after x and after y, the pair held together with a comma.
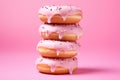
x: 57, y: 52
x: 60, y: 35
x: 59, y: 45
x: 70, y: 70
x: 47, y: 33
x: 52, y: 68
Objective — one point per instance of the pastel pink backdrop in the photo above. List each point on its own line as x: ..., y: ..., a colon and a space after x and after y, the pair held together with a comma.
x: 100, y: 45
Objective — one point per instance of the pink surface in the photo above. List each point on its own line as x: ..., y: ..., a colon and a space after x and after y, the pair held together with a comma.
x: 100, y: 51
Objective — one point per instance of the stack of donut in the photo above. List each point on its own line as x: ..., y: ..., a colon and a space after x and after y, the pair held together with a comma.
x: 60, y: 31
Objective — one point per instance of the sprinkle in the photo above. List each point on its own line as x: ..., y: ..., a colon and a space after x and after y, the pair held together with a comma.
x: 74, y: 58
x: 41, y: 60
x: 46, y: 7
x: 60, y: 8
x: 42, y: 27
x: 51, y: 9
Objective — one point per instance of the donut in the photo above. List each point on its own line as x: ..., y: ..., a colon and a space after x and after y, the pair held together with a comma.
x: 57, y: 49
x: 71, y: 32
x: 60, y: 14
x: 56, y: 65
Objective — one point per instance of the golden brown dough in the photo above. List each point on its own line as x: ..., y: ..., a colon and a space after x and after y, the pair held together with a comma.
x: 58, y: 19
x: 44, y: 68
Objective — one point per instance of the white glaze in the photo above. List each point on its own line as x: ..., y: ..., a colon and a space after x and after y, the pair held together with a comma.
x: 64, y: 11
x: 69, y: 63
x: 59, y: 45
x: 61, y: 29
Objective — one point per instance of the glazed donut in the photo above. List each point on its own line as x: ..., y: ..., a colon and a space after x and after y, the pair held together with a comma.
x: 60, y: 14
x: 62, y: 32
x: 57, y: 49
x: 56, y: 65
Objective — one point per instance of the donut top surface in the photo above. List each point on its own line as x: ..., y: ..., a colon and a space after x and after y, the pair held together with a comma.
x: 69, y: 63
x: 59, y: 45
x: 64, y: 11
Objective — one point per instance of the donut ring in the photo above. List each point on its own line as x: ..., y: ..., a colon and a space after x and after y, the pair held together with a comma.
x: 60, y: 14
x: 71, y: 32
x: 56, y: 66
x: 57, y: 49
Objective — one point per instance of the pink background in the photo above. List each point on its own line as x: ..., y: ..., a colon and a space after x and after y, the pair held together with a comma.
x: 100, y: 51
